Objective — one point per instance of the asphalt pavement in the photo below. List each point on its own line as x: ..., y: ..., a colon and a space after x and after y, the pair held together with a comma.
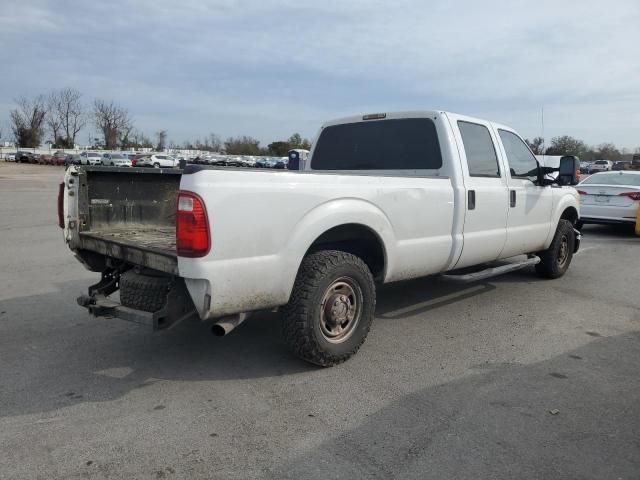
x: 515, y: 377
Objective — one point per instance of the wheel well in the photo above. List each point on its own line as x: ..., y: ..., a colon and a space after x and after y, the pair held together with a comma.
x: 357, y: 240
x: 570, y: 214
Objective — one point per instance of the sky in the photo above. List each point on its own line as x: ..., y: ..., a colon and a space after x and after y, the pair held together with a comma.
x: 269, y: 68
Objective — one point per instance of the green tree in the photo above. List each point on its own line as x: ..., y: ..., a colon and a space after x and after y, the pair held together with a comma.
x: 279, y: 149
x: 567, y: 145
x: 295, y: 141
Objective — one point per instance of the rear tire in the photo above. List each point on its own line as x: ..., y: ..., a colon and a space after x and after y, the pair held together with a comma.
x: 331, y: 308
x: 555, y: 260
x: 143, y: 292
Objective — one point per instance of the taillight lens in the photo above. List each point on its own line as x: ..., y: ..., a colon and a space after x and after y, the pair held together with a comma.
x: 192, y: 226
x: 61, y: 205
x: 631, y: 195
x: 582, y: 192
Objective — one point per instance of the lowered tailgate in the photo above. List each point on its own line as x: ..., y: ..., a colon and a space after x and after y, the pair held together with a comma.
x: 124, y: 213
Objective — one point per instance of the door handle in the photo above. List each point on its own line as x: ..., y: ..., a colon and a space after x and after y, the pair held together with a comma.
x: 471, y: 197
x: 512, y: 198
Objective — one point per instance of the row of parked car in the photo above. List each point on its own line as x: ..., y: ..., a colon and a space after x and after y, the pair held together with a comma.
x: 241, y: 161
x: 156, y: 160
x: 603, y: 166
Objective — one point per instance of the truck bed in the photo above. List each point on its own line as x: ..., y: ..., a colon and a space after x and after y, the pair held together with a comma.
x: 129, y: 214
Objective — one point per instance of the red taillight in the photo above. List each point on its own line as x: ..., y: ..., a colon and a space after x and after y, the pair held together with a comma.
x: 631, y: 195
x: 61, y: 205
x: 192, y: 226
x: 582, y: 192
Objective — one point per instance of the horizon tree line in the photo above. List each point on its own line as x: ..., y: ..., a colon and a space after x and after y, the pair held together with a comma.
x: 63, y: 114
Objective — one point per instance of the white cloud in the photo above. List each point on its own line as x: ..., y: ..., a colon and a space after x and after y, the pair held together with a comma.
x: 273, y: 65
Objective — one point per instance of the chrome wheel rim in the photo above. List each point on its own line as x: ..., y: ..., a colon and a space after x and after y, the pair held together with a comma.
x: 563, y: 251
x: 340, y: 310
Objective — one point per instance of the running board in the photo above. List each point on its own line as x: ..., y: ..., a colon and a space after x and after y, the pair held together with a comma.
x: 492, y: 271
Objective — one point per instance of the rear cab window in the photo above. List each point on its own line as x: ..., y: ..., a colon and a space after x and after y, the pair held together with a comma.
x: 393, y: 144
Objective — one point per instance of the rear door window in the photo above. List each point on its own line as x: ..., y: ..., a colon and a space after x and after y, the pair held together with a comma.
x: 479, y: 149
x: 396, y: 144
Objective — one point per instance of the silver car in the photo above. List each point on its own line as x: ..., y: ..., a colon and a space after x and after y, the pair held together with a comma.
x: 115, y: 160
x: 610, y: 197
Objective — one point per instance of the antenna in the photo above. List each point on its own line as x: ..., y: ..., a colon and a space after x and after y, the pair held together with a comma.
x: 543, y: 141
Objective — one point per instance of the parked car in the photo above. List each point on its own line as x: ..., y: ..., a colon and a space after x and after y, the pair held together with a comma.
x: 610, y: 197
x: 24, y: 156
x: 265, y: 162
x: 115, y: 160
x: 433, y: 182
x: 72, y: 159
x: 617, y: 166
x: 44, y: 159
x: 600, y: 166
x: 157, y: 160
x: 248, y: 162
x: 59, y: 158
x: 218, y: 160
x: 9, y: 157
x: 137, y: 157
x: 90, y: 158
x: 584, y: 167
x: 281, y: 163
x: 232, y: 161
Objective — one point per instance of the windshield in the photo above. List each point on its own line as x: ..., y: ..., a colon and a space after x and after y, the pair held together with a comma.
x: 117, y: 157
x: 601, y: 162
x: 622, y: 179
x: 94, y: 155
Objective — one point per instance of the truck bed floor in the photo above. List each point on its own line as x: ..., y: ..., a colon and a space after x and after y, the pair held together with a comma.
x: 157, y: 239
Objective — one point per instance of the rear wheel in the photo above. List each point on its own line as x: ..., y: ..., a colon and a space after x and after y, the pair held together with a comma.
x: 555, y: 260
x: 331, y: 308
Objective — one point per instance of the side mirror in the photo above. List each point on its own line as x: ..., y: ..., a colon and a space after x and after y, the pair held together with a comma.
x: 569, y: 171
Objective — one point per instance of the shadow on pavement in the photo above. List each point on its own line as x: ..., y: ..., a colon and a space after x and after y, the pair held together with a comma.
x: 498, y: 423
x: 56, y: 355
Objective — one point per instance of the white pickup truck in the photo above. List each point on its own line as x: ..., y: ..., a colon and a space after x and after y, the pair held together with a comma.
x: 383, y: 198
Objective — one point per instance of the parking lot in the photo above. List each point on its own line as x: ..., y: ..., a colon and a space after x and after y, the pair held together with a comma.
x: 514, y: 377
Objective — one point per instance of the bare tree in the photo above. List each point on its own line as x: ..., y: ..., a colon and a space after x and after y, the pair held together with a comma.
x: 53, y: 120
x: 28, y: 120
x: 215, y: 144
x: 113, y: 122
x: 536, y: 145
x: 162, y: 140
x: 69, y: 111
x: 243, y: 145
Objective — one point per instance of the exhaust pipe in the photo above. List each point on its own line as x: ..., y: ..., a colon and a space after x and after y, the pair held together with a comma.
x: 224, y: 325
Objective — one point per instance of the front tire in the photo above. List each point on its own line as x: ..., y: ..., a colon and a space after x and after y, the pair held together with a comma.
x: 331, y: 308
x: 555, y: 260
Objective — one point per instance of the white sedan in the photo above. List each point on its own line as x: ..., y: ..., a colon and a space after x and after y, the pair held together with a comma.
x: 157, y: 161
x: 610, y: 197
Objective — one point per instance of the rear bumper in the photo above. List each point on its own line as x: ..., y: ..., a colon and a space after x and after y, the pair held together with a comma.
x: 593, y: 213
